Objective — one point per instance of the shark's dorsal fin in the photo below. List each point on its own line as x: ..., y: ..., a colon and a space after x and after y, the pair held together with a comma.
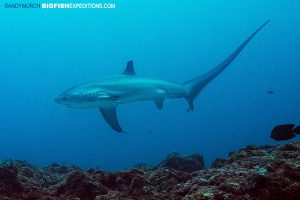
x: 129, y: 68
x: 110, y: 116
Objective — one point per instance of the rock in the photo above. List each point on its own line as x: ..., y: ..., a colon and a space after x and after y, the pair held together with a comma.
x: 218, y: 162
x: 252, y: 173
x: 80, y: 185
x: 9, y: 183
x: 183, y: 163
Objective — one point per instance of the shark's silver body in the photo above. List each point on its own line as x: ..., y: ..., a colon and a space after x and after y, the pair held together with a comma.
x: 121, y: 89
x: 106, y: 94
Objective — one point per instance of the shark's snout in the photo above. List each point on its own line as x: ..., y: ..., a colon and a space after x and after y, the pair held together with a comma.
x: 61, y: 99
x: 58, y: 100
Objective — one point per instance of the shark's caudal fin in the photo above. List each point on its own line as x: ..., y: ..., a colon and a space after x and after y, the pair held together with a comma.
x: 194, y: 86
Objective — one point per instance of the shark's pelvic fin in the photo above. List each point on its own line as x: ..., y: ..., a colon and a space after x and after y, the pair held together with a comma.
x: 110, y: 116
x: 159, y: 102
x: 129, y: 68
x: 194, y: 86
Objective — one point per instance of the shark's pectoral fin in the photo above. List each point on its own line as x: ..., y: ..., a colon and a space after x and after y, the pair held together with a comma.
x: 110, y: 116
x: 159, y: 102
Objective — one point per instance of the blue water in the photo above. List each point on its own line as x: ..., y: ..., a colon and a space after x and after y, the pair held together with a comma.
x: 44, y: 52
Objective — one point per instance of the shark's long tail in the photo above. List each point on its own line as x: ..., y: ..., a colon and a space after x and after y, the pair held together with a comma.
x: 194, y: 86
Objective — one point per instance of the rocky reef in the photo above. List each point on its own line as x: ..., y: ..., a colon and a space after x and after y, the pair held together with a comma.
x: 252, y: 173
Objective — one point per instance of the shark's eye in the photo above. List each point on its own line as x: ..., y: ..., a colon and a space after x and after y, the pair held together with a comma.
x: 65, y: 98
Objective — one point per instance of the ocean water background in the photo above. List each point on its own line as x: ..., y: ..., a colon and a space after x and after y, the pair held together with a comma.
x: 44, y: 52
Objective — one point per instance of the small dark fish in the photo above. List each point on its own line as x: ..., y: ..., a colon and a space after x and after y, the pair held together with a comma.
x: 284, y: 132
x: 297, y: 130
x: 270, y: 92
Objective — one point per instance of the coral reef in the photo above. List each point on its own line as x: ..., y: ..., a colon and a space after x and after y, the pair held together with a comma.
x: 190, y: 163
x: 252, y: 173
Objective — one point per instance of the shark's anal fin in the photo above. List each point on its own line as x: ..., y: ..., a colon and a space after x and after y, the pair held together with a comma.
x: 129, y: 68
x: 159, y: 102
x: 191, y: 104
x: 110, y: 116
